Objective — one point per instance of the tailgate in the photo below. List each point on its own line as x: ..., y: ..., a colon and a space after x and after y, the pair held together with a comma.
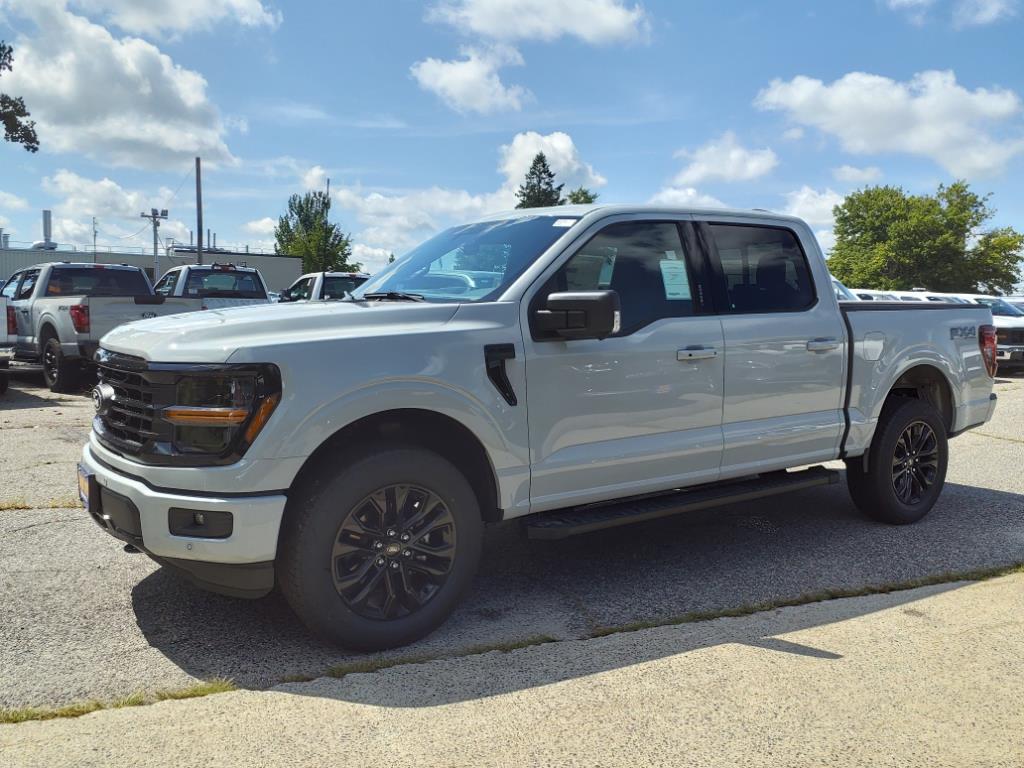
x: 108, y: 312
x: 216, y: 302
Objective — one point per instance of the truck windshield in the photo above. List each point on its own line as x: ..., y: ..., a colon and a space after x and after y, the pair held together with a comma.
x: 97, y: 281
x: 469, y: 263
x: 1002, y: 308
x: 226, y: 284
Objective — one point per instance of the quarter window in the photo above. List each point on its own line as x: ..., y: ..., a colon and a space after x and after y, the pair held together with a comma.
x: 10, y: 287
x: 167, y: 283
x: 764, y: 269
x: 644, y: 262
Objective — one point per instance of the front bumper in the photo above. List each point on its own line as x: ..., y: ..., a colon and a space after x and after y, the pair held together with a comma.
x: 6, y: 354
x: 1010, y: 356
x: 239, y: 564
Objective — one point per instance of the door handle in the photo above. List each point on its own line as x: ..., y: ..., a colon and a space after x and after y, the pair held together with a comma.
x: 696, y: 353
x: 822, y: 345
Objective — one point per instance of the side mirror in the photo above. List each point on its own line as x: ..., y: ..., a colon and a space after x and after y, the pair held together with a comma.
x: 581, y: 314
x: 285, y: 295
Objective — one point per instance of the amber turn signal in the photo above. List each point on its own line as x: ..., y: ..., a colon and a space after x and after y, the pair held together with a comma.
x: 261, y: 416
x: 194, y: 416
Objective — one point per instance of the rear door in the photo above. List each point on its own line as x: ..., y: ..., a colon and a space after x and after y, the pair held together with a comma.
x: 784, y: 348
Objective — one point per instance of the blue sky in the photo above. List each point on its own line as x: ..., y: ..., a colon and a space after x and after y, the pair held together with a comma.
x: 422, y: 114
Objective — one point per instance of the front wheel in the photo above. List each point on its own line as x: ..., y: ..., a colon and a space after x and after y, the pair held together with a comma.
x: 906, y: 464
x: 61, y: 374
x: 379, y: 553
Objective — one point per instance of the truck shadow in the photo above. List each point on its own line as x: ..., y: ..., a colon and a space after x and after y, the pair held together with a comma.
x: 27, y: 390
x: 767, y: 552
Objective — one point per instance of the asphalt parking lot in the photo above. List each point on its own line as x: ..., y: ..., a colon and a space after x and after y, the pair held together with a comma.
x: 81, y: 619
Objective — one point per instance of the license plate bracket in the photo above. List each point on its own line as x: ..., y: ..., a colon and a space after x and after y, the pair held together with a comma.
x: 87, y: 489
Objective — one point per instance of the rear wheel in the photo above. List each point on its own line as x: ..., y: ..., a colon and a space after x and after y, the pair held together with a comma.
x: 61, y: 374
x: 906, y: 464
x: 378, y: 554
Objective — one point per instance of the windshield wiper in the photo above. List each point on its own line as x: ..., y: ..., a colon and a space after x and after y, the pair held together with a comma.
x: 393, y: 296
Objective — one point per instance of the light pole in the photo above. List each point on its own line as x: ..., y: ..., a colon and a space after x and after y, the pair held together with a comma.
x: 155, y: 216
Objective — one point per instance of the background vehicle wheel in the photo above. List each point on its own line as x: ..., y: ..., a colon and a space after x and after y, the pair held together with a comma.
x: 906, y: 465
x: 61, y: 374
x: 378, y: 554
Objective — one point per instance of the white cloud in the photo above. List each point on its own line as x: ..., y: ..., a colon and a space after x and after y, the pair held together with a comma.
x: 562, y: 155
x: 793, y: 134
x: 151, y: 17
x: 853, y: 175
x: 976, y: 13
x: 372, y: 259
x: 12, y: 202
x: 593, y: 21
x: 930, y: 115
x: 725, y: 159
x: 396, y: 221
x: 314, y: 179
x: 117, y: 208
x: 472, y: 84
x: 813, y: 206
x: 260, y: 227
x: 685, y: 197
x: 121, y: 101
x: 916, y: 10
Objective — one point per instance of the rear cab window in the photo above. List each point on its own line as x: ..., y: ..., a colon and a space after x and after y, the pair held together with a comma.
x: 166, y: 285
x: 760, y: 269
x: 337, y: 286
x: 96, y: 281
x: 224, y: 283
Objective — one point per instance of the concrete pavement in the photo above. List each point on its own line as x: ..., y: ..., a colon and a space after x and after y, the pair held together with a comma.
x: 926, y: 677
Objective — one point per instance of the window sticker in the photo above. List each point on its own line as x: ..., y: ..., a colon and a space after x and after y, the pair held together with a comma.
x: 564, y: 222
x: 677, y: 282
x: 671, y: 255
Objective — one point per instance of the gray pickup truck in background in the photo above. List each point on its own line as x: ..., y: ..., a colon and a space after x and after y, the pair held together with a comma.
x: 61, y: 310
x: 575, y: 367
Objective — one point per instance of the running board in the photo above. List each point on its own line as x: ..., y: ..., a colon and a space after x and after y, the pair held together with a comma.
x: 563, y: 523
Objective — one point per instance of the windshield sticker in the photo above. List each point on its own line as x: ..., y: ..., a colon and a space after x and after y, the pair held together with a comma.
x: 677, y: 283
x: 564, y: 222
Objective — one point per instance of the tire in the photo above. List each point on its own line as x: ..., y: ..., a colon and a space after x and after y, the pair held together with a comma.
x: 60, y: 374
x: 335, y: 539
x: 906, y: 464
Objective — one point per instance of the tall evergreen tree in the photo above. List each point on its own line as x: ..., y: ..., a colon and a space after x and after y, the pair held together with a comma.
x: 539, y: 190
x: 13, y: 112
x: 305, y: 232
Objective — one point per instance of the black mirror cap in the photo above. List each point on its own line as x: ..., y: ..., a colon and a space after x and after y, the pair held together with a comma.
x: 581, y: 314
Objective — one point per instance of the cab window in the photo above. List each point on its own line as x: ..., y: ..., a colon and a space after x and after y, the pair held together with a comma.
x: 28, y: 282
x: 645, y: 262
x: 764, y: 269
x: 167, y: 283
x: 338, y: 287
x: 10, y: 287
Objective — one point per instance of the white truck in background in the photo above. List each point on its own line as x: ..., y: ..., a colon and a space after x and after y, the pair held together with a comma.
x: 218, y: 286
x: 59, y: 311
x: 323, y: 286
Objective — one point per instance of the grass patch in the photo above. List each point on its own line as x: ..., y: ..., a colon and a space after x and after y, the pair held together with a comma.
x: 216, y: 685
x: 378, y: 664
x: 979, y: 574
x: 25, y: 714
x: 13, y: 504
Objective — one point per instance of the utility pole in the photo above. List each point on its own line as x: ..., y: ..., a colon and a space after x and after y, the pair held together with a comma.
x: 155, y: 216
x: 94, y: 233
x: 199, y: 212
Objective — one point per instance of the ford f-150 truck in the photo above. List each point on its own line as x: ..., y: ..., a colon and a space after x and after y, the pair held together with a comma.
x: 604, y: 365
x: 61, y: 310
x: 218, y: 286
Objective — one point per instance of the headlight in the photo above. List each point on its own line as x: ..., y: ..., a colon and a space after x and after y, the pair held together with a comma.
x: 222, y: 411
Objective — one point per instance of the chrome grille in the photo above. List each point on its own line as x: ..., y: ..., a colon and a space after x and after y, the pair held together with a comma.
x: 1010, y: 335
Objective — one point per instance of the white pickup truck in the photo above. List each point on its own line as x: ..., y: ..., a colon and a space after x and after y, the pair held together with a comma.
x: 61, y: 309
x: 323, y: 286
x: 218, y: 286
x: 603, y: 365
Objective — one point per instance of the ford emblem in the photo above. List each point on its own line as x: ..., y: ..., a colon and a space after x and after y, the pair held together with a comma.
x: 102, y: 398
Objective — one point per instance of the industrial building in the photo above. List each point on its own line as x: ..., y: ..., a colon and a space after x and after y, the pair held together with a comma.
x: 278, y: 271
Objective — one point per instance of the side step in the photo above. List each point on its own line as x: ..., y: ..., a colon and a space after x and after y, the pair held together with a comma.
x: 563, y: 523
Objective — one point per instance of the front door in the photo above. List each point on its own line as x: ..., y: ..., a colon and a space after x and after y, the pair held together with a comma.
x: 784, y: 349
x: 640, y: 411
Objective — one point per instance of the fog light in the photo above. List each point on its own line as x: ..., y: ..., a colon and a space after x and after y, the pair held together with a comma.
x: 199, y: 524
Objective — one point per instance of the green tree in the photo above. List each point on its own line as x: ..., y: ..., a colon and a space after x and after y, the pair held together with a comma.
x: 581, y: 196
x: 887, y: 239
x: 539, y: 190
x: 305, y: 232
x: 13, y: 112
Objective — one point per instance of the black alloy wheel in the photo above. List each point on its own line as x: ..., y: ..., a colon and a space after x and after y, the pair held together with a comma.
x: 393, y: 552
x: 915, y: 462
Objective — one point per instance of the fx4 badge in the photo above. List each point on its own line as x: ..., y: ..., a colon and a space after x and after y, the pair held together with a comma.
x: 963, y: 332
x: 148, y: 315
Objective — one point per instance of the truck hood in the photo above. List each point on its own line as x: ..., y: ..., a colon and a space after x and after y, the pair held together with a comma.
x: 212, y: 336
x: 1002, y: 321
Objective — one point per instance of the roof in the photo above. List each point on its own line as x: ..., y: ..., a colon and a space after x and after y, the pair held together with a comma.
x: 89, y: 264
x: 215, y: 265
x: 336, y: 274
x: 579, y: 211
